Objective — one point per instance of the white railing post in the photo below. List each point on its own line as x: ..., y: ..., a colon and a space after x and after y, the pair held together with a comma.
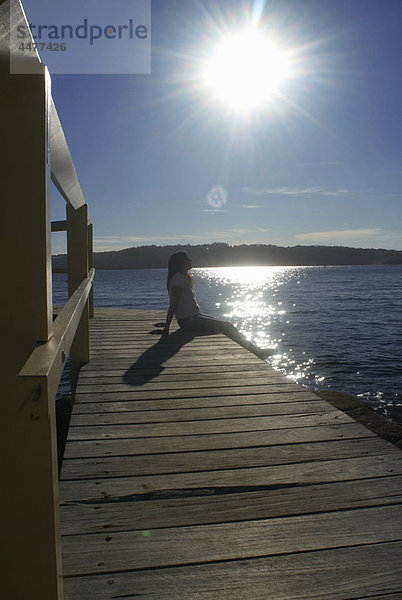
x: 30, y: 533
x: 77, y: 265
x: 90, y: 266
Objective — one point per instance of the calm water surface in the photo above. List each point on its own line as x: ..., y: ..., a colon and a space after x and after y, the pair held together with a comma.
x: 328, y: 327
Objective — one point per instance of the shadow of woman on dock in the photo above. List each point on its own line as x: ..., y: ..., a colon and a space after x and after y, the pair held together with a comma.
x: 150, y: 364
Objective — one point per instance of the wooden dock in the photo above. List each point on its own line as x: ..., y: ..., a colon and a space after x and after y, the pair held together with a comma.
x: 195, y: 471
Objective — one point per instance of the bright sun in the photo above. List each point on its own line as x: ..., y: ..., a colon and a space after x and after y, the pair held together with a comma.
x: 247, y: 70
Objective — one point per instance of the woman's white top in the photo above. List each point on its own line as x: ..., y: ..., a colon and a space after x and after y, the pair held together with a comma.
x: 187, y: 306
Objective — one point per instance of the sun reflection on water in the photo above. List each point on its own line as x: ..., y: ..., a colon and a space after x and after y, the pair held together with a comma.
x: 248, y: 276
x: 294, y: 313
x: 248, y: 297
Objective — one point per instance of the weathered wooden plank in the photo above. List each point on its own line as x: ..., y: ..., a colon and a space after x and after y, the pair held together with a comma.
x: 116, y: 325
x: 138, y: 346
x: 188, y: 443
x: 301, y: 397
x: 176, y: 357
x: 205, y: 426
x: 161, y: 350
x: 339, y: 574
x: 153, y: 336
x: 135, y: 377
x: 132, y: 317
x: 109, y: 320
x: 277, y: 475
x: 236, y: 506
x: 155, y: 343
x: 384, y: 596
x: 222, y: 459
x: 166, y: 415
x: 87, y: 374
x: 229, y: 541
x: 127, y: 362
x: 139, y: 394
x: 145, y: 328
x: 112, y: 313
x: 142, y: 337
x: 187, y: 384
x: 135, y: 348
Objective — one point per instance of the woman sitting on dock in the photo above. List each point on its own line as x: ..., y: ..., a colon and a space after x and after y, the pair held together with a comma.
x: 183, y: 304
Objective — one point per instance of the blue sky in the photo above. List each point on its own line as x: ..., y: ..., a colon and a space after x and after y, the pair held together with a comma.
x: 320, y: 164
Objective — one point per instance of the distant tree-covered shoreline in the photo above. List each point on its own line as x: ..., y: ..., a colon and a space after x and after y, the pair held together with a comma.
x: 223, y: 255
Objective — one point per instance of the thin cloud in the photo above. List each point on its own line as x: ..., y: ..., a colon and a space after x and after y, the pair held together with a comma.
x: 240, y: 231
x: 339, y: 192
x: 339, y: 235
x: 293, y: 191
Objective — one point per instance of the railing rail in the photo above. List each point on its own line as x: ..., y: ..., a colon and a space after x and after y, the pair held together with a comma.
x: 34, y: 347
x: 64, y: 176
x: 47, y: 360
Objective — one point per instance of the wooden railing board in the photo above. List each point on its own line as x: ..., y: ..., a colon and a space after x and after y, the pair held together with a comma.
x: 47, y: 360
x: 64, y: 175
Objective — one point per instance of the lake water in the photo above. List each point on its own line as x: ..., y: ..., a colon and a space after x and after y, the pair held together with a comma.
x: 328, y: 327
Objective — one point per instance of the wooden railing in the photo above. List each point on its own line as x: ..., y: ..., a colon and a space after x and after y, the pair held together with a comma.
x: 34, y: 347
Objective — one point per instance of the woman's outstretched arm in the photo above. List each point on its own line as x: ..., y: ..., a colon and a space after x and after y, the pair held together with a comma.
x: 174, y: 301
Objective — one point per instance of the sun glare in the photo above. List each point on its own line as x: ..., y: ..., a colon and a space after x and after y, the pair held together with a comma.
x: 247, y: 70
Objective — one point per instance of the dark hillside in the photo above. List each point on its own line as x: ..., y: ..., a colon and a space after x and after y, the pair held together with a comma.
x: 220, y: 254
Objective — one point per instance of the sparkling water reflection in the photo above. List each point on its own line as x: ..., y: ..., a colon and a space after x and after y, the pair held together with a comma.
x: 328, y: 327
x: 252, y: 303
x: 249, y: 298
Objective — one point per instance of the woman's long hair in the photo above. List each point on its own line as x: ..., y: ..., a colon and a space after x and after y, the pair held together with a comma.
x: 176, y: 265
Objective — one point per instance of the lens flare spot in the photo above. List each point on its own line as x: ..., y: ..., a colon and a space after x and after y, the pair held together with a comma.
x: 217, y: 197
